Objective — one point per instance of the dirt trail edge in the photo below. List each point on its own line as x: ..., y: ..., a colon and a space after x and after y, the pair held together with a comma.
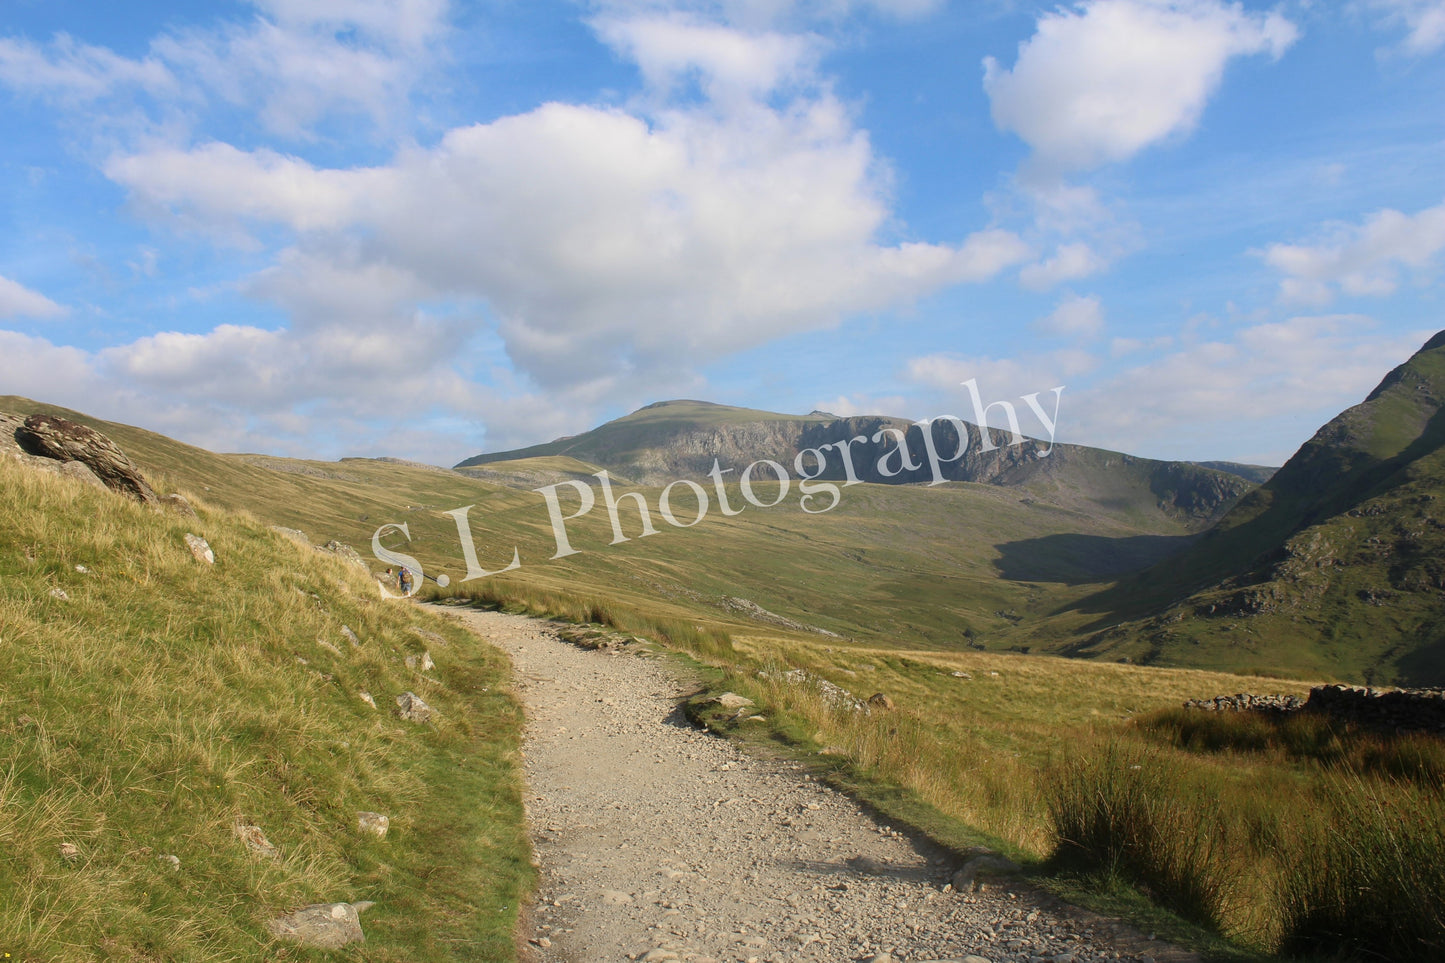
x: 661, y: 842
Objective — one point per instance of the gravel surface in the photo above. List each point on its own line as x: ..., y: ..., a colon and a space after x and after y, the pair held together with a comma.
x: 658, y: 841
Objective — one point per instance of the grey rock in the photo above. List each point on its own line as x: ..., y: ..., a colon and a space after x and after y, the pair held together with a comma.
x: 374, y: 823
x: 731, y: 700
x: 200, y: 549
x: 880, y: 701
x: 52, y: 437
x: 323, y: 926
x: 413, y: 709
x: 295, y: 534
x: 59, y: 595
x: 351, y: 636
x: 343, y: 551
x: 366, y: 697
x: 174, y: 862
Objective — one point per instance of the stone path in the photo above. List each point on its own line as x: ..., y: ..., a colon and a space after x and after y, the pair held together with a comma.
x: 661, y: 842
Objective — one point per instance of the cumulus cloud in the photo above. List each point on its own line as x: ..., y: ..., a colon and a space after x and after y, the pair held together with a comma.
x: 1424, y: 22
x: 1099, y: 82
x: 605, y: 247
x: 729, y: 63
x: 18, y: 301
x: 1363, y: 259
x: 1069, y: 263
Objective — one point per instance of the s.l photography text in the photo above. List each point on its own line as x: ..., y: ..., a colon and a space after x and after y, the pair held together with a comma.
x: 816, y: 495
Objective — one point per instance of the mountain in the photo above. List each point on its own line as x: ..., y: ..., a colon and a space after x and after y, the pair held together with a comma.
x: 1335, y: 565
x: 682, y: 439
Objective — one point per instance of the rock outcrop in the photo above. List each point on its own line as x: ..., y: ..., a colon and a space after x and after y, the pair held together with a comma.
x: 49, y: 436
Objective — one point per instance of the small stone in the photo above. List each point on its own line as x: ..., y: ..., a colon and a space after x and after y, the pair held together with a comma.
x: 658, y: 955
x: 426, y: 663
x: 200, y: 549
x: 351, y: 637
x: 615, y: 897
x: 59, y: 595
x: 69, y: 852
x: 323, y: 926
x: 412, y: 708
x: 174, y: 862
x: 256, y: 840
x: 366, y: 697
x: 81, y: 569
x: 374, y: 823
x: 880, y: 701
x: 731, y: 700
x: 295, y: 534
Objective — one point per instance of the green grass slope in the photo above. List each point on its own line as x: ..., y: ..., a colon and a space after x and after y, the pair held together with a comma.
x: 1332, y: 568
x: 162, y: 701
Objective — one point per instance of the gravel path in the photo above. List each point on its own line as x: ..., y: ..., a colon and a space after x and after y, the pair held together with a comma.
x: 661, y: 842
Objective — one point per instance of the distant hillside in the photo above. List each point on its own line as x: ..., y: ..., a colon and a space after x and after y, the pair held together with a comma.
x: 681, y: 439
x: 1336, y: 564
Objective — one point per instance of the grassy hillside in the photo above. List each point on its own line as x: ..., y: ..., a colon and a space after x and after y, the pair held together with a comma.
x: 1332, y: 567
x: 151, y: 703
x: 956, y: 565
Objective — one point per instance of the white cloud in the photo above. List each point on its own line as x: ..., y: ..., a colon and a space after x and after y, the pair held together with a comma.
x: 1069, y: 263
x: 1101, y: 81
x: 608, y: 249
x: 70, y: 71
x: 295, y: 63
x: 1424, y: 21
x: 846, y: 406
x: 18, y: 301
x: 1364, y: 259
x: 1075, y: 317
x: 730, y: 62
x: 1231, y: 398
x: 217, y: 186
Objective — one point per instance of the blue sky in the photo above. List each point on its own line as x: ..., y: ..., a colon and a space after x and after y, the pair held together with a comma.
x: 427, y: 229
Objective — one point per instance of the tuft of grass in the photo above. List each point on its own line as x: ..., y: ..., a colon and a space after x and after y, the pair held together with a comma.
x: 162, y: 701
x: 1368, y: 876
x: 1133, y: 813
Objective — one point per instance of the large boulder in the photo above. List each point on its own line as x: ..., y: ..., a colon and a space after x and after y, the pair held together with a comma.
x: 50, y: 436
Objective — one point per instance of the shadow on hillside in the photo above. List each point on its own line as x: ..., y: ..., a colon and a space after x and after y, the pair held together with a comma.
x: 1080, y: 559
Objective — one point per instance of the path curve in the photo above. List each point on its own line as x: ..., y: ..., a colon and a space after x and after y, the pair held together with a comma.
x: 658, y: 841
